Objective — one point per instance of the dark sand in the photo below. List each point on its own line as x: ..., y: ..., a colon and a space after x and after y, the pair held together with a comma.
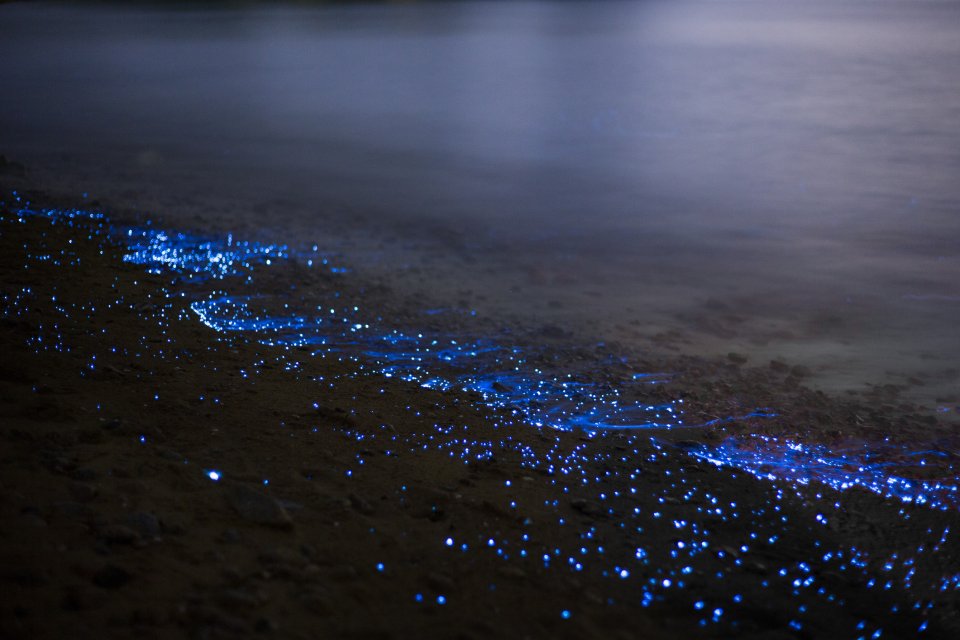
x: 112, y: 527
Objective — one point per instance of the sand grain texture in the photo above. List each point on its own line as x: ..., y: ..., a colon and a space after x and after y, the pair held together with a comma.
x: 336, y: 499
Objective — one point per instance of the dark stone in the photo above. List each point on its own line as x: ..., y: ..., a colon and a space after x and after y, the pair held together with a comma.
x: 118, y: 534
x: 344, y: 572
x: 74, y: 599
x: 586, y: 507
x: 146, y: 524
x: 70, y: 508
x: 258, y: 507
x: 440, y: 582
x: 230, y: 536
x: 83, y: 492
x: 264, y: 625
x: 508, y: 571
x: 85, y: 474
x: 112, y: 576
x: 32, y: 520
x: 114, y: 424
x: 360, y: 504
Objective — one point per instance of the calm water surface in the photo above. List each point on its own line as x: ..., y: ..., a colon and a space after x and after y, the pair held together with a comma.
x: 780, y: 179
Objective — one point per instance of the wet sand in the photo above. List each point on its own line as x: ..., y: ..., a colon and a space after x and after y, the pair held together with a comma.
x: 761, y: 176
x: 164, y: 476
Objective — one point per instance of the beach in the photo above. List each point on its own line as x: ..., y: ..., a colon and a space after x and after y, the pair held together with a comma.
x: 165, y: 474
x: 474, y: 319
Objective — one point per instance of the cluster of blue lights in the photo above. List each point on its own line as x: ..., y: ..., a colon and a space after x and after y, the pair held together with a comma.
x: 534, y: 397
x: 891, y: 471
x: 502, y: 375
x: 196, y: 257
x: 191, y: 257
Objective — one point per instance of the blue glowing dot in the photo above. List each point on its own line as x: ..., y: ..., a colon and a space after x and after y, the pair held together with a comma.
x: 534, y: 396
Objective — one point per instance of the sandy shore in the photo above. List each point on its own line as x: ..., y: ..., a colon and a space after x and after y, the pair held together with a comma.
x: 164, y: 479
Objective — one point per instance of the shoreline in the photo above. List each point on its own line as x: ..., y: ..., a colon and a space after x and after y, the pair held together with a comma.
x: 849, y: 341
x: 117, y: 521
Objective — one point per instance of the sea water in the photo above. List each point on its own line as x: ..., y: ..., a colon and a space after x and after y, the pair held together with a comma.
x: 777, y: 179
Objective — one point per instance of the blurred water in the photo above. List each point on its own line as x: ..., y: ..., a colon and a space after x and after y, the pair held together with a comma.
x: 774, y: 178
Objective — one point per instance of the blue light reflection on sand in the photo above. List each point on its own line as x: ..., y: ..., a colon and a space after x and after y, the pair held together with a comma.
x: 196, y: 257
x: 514, y: 381
x: 772, y: 458
x: 499, y: 374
